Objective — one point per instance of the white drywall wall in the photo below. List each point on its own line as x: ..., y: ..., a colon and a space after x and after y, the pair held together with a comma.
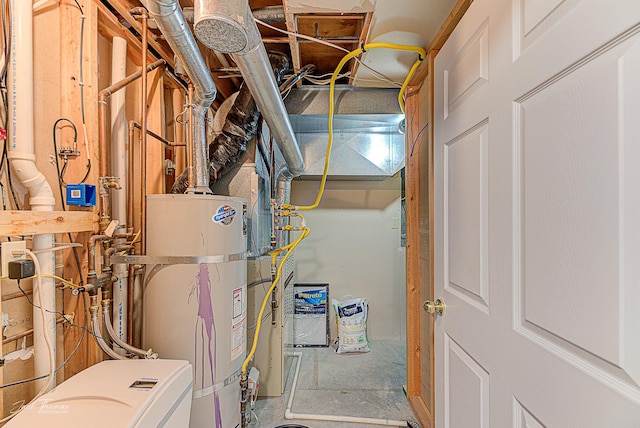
x: 355, y: 246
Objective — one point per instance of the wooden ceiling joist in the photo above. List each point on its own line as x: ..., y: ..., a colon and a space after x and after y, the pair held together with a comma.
x: 123, y: 7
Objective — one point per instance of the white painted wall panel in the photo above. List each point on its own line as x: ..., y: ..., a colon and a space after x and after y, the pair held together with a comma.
x: 355, y: 247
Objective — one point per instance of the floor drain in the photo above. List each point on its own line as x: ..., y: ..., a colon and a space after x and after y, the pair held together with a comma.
x: 291, y: 426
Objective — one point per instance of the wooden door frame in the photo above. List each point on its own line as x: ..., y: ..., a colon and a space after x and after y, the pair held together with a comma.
x: 419, y: 205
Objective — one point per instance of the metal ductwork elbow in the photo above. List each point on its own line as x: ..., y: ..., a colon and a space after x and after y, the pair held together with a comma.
x: 171, y: 21
x: 228, y: 26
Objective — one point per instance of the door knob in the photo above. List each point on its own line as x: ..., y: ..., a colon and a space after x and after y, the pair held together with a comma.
x: 437, y: 307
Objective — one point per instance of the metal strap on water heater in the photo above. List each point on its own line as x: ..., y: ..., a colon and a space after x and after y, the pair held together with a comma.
x: 178, y: 260
x: 233, y: 378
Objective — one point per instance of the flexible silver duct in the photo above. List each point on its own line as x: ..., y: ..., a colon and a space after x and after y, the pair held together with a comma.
x: 168, y: 16
x: 250, y: 55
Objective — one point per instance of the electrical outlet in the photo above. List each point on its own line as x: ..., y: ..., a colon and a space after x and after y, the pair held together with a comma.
x: 5, y: 255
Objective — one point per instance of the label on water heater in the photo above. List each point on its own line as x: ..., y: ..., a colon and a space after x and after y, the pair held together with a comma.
x: 239, y: 322
x: 224, y: 215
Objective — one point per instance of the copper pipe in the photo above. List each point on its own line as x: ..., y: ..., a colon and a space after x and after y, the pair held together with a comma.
x: 156, y: 136
x: 92, y: 250
x: 191, y: 178
x: 143, y: 139
x: 103, y: 96
x: 25, y: 333
x: 130, y: 176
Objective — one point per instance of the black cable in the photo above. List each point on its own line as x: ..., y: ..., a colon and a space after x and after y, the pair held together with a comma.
x: 84, y: 329
x: 61, y: 314
x: 261, y: 148
x: 75, y: 135
x: 6, y: 33
x: 61, y: 182
x: 36, y: 306
x: 5, y: 151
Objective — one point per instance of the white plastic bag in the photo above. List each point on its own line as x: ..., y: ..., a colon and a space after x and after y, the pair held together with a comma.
x: 351, y: 317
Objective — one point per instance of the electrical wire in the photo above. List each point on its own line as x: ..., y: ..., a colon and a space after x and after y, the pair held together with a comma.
x: 61, y: 181
x: 376, y: 73
x: 413, y: 146
x: 47, y: 340
x: 4, y: 160
x: 64, y: 363
x: 319, y: 81
x: 60, y: 185
x: 7, y: 37
x: 81, y: 85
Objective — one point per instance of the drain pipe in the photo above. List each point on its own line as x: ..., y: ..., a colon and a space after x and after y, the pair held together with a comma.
x: 120, y: 151
x: 228, y: 26
x: 22, y: 158
x: 175, y: 29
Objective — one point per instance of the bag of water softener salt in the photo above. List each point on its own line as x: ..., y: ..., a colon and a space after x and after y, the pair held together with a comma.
x: 351, y: 317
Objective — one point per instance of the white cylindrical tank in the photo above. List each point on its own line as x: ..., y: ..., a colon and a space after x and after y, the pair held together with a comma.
x: 196, y: 296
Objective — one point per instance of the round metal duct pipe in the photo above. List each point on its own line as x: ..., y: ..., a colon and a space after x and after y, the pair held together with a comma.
x: 221, y: 25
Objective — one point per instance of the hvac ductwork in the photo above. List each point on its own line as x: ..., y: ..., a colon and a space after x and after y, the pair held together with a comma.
x: 228, y: 26
x: 171, y: 22
x: 240, y: 126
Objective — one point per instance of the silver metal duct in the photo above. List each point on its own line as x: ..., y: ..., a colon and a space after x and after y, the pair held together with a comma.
x: 365, y: 146
x: 254, y: 65
x: 168, y: 15
x: 218, y: 24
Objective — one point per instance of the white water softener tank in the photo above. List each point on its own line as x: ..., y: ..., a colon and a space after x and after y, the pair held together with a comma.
x: 195, y: 297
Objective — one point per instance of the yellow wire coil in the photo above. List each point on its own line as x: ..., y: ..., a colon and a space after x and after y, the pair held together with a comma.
x: 332, y: 87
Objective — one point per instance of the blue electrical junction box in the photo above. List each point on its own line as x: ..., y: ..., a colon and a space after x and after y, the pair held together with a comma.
x: 82, y: 195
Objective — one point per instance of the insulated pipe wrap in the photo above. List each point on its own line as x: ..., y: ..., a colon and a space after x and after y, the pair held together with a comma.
x: 199, y: 152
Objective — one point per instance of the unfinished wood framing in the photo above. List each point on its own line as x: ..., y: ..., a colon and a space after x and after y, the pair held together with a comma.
x: 348, y: 30
x: 110, y: 27
x: 419, y: 206
x: 156, y: 123
x: 14, y: 223
x: 70, y: 107
x: 123, y: 7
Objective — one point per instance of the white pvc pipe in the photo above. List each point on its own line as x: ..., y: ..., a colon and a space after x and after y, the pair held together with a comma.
x: 119, y: 129
x: 119, y: 161
x: 22, y: 159
x: 288, y: 414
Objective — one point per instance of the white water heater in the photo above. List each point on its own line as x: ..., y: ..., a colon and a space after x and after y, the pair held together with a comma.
x: 195, y: 296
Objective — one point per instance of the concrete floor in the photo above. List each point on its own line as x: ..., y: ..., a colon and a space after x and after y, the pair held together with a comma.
x: 363, y: 385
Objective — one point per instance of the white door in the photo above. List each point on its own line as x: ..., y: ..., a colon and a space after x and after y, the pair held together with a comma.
x: 537, y: 215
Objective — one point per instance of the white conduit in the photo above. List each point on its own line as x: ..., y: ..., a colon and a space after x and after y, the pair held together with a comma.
x: 119, y: 159
x: 22, y: 159
x: 288, y: 414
